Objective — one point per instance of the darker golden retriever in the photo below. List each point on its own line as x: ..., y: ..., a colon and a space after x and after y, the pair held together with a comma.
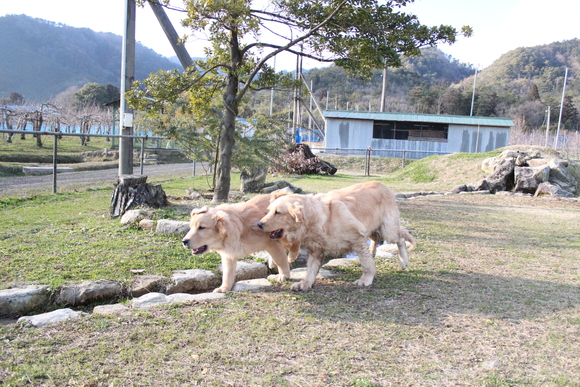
x: 231, y: 230
x: 339, y: 222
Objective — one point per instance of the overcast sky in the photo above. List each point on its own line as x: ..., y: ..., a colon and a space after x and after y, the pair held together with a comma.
x: 499, y: 25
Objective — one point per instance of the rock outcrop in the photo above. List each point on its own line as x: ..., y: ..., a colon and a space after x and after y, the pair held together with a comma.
x: 524, y: 172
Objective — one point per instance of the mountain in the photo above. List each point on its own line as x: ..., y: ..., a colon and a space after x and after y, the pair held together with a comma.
x: 517, y: 70
x: 42, y: 59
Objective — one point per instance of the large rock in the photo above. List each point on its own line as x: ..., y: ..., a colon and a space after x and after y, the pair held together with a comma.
x: 195, y: 280
x: 508, y: 153
x: 89, y: 291
x: 490, y: 164
x: 18, y: 301
x: 559, y: 175
x: 549, y: 189
x: 502, y: 179
x: 252, y: 180
x: 527, y: 179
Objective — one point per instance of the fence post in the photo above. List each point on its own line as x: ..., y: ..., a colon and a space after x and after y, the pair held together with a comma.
x: 368, y: 162
x: 142, y: 155
x: 404, y: 155
x: 54, y: 166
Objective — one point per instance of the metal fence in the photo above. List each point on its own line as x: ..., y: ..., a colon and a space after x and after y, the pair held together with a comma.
x: 57, y: 135
x: 369, y: 153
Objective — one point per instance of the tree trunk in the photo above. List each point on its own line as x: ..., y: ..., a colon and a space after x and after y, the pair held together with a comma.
x: 224, y: 164
x: 228, y: 130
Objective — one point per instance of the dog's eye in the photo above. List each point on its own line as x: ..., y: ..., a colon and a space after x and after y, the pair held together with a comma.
x: 276, y: 212
x: 201, y: 228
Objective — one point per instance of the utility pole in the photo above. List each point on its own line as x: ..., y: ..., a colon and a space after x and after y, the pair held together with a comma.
x: 548, y: 126
x: 561, y: 109
x: 473, y: 93
x: 127, y: 77
x: 384, y: 92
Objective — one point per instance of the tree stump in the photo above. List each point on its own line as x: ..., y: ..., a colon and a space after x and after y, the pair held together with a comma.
x: 132, y: 191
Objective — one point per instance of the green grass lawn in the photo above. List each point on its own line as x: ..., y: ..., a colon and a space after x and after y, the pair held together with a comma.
x: 491, y: 298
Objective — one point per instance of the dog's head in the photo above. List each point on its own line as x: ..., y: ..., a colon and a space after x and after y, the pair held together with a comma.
x: 207, y: 230
x: 284, y: 217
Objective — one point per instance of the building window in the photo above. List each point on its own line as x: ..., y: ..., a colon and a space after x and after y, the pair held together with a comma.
x: 412, y: 131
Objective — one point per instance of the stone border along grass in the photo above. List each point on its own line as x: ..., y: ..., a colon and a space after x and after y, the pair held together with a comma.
x: 152, y: 290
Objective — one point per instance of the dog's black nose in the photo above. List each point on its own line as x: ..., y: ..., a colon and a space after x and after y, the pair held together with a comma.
x: 185, y: 242
x: 261, y: 225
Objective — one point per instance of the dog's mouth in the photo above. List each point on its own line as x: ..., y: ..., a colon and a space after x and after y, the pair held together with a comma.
x: 276, y: 234
x: 199, y: 250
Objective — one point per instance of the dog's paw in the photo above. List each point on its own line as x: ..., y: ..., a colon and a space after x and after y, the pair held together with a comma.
x: 221, y: 289
x: 299, y: 286
x: 280, y: 278
x: 363, y: 282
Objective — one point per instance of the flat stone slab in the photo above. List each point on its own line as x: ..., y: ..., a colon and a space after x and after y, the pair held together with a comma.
x: 134, y: 216
x: 299, y: 274
x: 151, y: 300
x: 248, y: 270
x: 112, y: 310
x: 342, y: 262
x: 50, y: 318
x: 173, y: 227
x: 252, y: 285
x: 193, y: 280
x: 45, y: 170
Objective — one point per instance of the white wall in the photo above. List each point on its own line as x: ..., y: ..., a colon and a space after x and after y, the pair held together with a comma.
x: 341, y: 133
x: 471, y: 139
x: 358, y: 134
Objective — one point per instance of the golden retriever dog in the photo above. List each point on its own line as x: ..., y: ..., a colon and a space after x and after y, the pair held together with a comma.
x: 339, y: 222
x: 231, y: 230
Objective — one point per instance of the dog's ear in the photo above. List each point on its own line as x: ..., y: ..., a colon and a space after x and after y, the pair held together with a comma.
x: 197, y: 211
x: 296, y: 211
x: 278, y: 193
x: 223, y: 226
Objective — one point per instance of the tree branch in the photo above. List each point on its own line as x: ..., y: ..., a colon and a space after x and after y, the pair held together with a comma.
x: 261, y: 63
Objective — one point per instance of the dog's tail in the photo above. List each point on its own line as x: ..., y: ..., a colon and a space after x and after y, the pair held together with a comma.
x: 408, y: 237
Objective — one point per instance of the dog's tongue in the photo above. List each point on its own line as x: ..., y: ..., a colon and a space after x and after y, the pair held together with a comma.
x: 199, y: 250
x: 276, y: 234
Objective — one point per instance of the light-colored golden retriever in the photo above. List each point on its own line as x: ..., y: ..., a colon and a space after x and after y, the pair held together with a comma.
x: 339, y: 222
x: 231, y: 230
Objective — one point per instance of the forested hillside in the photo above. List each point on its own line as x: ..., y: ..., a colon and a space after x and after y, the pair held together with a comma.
x: 522, y: 84
x: 41, y: 59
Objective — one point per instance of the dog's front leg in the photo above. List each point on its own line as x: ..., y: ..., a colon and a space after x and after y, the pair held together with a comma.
x: 293, y: 252
x: 228, y: 274
x: 312, y: 267
x: 403, y: 256
x: 278, y: 255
